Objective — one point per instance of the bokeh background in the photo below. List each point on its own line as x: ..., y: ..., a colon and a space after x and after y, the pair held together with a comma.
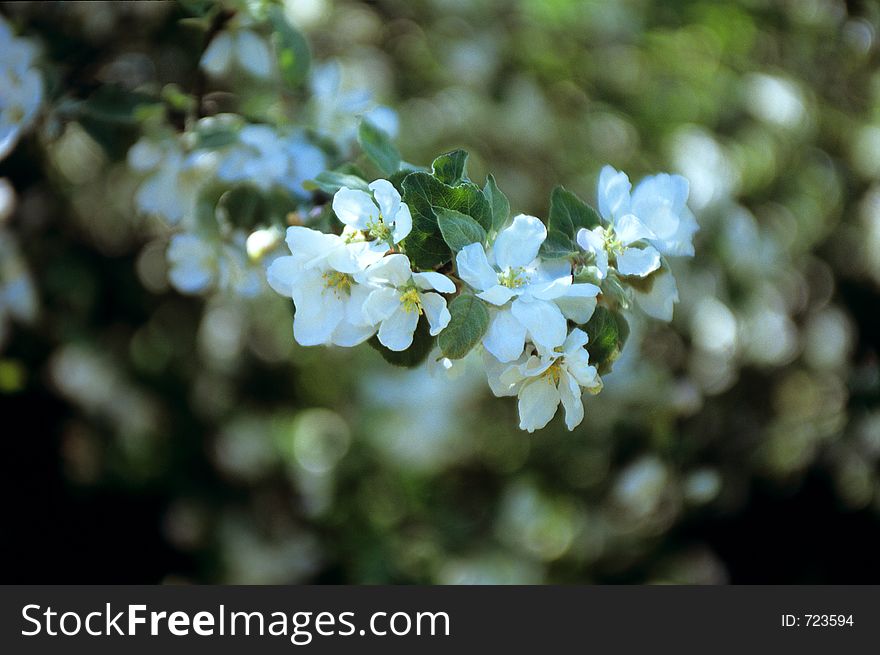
x: 150, y: 436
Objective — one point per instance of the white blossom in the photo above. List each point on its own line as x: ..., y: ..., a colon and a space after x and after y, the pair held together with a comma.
x: 21, y: 87
x: 401, y: 297
x: 320, y: 275
x: 174, y: 178
x: 264, y: 157
x: 543, y: 381
x: 337, y: 110
x: 534, y: 298
x: 656, y: 212
x: 659, y: 299
x: 242, y: 48
x: 382, y: 216
x: 198, y: 264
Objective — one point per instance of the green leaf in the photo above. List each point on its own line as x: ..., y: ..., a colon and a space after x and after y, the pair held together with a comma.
x: 377, y: 145
x: 608, y: 332
x: 418, y: 352
x: 206, y: 209
x: 291, y: 49
x: 450, y: 168
x: 213, y: 134
x: 424, y: 194
x: 499, y: 205
x: 459, y: 230
x: 568, y: 213
x: 243, y: 206
x: 469, y: 322
x: 331, y: 181
x: 113, y: 115
x: 557, y: 245
x: 113, y: 103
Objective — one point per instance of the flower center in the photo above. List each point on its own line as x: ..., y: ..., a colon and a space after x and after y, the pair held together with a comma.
x: 612, y: 244
x: 554, y: 373
x: 340, y: 283
x: 378, y: 229
x: 411, y: 301
x: 513, y: 278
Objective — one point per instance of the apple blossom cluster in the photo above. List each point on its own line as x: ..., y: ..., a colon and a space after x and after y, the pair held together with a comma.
x: 427, y: 264
x: 196, y: 181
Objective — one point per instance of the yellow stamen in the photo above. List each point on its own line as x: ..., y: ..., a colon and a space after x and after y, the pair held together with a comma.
x: 554, y: 373
x: 411, y: 301
x: 378, y: 229
x: 513, y: 278
x: 339, y: 282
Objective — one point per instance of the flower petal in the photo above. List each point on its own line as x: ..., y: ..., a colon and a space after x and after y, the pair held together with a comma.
x: 613, y: 193
x: 571, y: 395
x: 402, y: 224
x: 506, y: 337
x: 659, y: 201
x: 577, y: 363
x: 575, y: 340
x: 538, y: 401
x: 216, y: 58
x: 495, y: 371
x: 551, y: 289
x: 317, y: 312
x: 282, y: 274
x: 436, y: 311
x: 518, y: 244
x: 253, y: 54
x: 309, y: 246
x: 355, y: 208
x: 474, y: 268
x: 393, y: 270
x: 543, y: 320
x: 436, y: 281
x: 659, y: 301
x: 497, y: 295
x: 380, y: 304
x: 396, y: 331
x: 355, y: 257
x: 630, y: 229
x: 593, y: 242
x: 387, y: 198
x: 348, y: 335
x: 638, y: 261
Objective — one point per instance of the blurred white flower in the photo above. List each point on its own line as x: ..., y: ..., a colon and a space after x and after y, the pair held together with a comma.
x: 660, y: 297
x: 21, y: 87
x: 337, y: 111
x: 542, y: 382
x: 401, y: 297
x: 174, y: 178
x: 240, y: 48
x: 264, y: 157
x: 524, y: 289
x: 197, y: 265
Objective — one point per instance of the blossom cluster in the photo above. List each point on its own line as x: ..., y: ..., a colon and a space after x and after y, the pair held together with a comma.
x: 221, y: 153
x: 541, y: 301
